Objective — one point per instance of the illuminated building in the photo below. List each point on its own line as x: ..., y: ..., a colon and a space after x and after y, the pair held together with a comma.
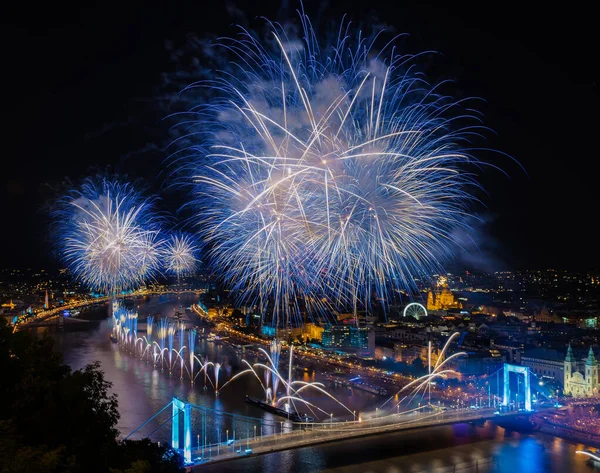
x: 582, y: 319
x: 290, y: 333
x: 202, y: 308
x: 212, y: 312
x: 385, y: 352
x: 547, y: 316
x: 577, y: 383
x: 406, y: 354
x: 346, y: 336
x: 435, y: 356
x: 313, y: 332
x: 441, y: 297
x: 308, y: 331
x: 544, y: 362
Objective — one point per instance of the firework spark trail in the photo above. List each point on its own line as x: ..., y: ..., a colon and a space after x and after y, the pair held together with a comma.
x: 180, y: 254
x: 292, y: 394
x: 170, y: 340
x: 149, y: 331
x: 327, y: 174
x: 132, y: 327
x: 181, y: 332
x: 125, y: 326
x: 275, y: 350
x: 191, y: 350
x: 135, y: 325
x: 424, y: 381
x: 204, y: 367
x: 108, y: 236
x: 216, y: 371
x: 163, y: 327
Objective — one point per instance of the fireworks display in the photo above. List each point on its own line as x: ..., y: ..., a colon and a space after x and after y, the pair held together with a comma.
x: 108, y: 236
x: 327, y: 174
x: 180, y: 254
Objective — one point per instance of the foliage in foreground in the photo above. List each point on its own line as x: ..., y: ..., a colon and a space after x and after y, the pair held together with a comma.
x: 53, y: 419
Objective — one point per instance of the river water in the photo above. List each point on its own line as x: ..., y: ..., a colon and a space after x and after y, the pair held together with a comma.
x: 143, y: 390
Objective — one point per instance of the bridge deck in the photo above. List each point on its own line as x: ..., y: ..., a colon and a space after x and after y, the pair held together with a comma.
x: 322, y: 433
x: 53, y: 321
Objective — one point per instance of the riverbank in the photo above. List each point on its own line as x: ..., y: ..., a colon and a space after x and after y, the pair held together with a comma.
x: 45, y: 315
x: 571, y: 435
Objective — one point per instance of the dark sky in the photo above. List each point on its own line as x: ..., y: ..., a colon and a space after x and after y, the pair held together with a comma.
x: 80, y: 82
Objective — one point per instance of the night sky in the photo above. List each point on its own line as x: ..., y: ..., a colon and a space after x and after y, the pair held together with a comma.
x: 81, y: 82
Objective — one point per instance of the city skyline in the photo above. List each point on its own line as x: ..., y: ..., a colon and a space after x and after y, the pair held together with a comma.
x: 299, y: 235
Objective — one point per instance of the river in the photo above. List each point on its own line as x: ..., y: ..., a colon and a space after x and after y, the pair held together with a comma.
x: 143, y: 390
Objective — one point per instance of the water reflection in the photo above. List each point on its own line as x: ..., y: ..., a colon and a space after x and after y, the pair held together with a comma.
x: 525, y: 455
x: 144, y: 390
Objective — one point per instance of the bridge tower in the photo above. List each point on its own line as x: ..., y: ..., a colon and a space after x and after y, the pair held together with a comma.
x: 178, y: 407
x: 519, y: 370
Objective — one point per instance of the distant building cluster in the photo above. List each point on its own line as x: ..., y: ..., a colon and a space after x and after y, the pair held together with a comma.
x: 28, y: 292
x: 546, y: 320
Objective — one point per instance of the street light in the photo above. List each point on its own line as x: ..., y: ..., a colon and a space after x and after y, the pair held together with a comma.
x: 354, y: 412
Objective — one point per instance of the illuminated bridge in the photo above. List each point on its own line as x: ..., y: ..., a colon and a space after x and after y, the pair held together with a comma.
x: 209, y: 435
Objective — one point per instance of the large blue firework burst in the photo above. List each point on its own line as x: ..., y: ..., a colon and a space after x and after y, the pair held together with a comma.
x: 327, y: 175
x: 107, y: 235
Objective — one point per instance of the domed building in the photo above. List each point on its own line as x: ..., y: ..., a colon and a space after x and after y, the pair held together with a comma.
x: 441, y: 298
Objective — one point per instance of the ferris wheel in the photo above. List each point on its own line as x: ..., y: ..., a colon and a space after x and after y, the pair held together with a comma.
x: 416, y: 310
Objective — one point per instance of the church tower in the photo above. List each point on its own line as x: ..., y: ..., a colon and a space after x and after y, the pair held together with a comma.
x: 591, y: 374
x: 570, y: 368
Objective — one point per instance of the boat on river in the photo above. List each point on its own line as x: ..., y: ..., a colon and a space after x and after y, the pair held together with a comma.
x: 291, y: 415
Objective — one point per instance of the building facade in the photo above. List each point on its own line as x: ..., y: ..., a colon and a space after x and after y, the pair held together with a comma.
x: 348, y: 337
x: 582, y: 383
x: 545, y: 362
x: 442, y: 298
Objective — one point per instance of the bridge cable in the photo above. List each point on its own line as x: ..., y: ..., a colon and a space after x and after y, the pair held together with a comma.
x: 151, y: 418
